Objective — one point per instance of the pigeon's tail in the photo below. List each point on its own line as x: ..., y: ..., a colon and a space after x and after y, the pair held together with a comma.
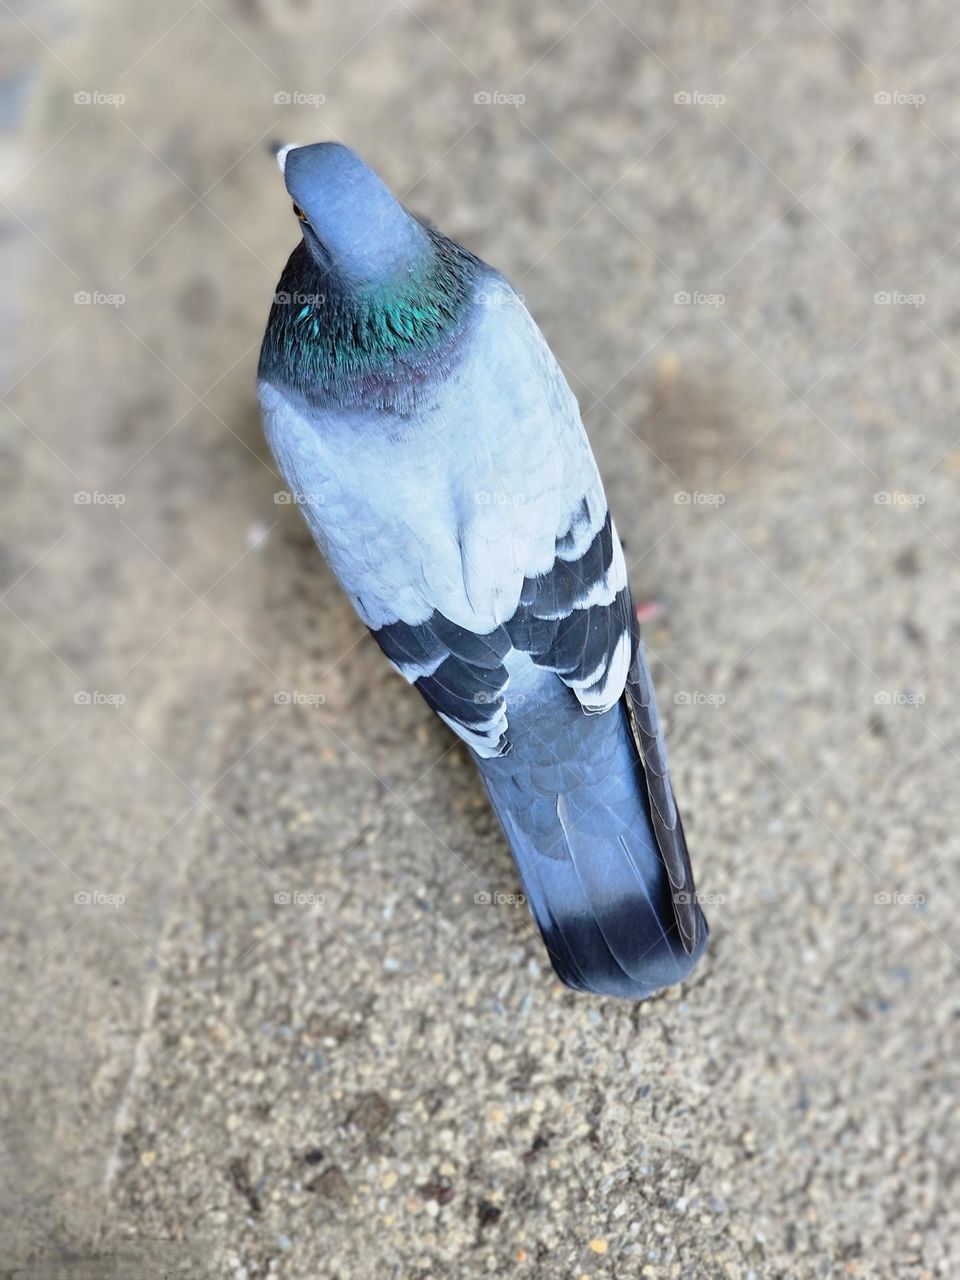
x: 572, y: 798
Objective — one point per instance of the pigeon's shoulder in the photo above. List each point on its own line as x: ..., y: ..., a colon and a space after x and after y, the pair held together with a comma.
x: 381, y: 523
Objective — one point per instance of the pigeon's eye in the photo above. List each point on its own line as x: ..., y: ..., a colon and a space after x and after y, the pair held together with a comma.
x: 299, y: 212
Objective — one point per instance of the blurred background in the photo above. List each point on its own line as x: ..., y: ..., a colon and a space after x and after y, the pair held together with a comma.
x: 738, y: 228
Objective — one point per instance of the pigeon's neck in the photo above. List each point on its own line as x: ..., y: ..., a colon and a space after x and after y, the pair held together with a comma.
x: 336, y: 344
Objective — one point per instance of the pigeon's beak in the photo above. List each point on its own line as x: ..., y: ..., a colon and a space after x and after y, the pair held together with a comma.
x: 281, y: 151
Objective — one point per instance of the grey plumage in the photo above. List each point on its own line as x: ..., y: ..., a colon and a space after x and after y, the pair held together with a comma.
x: 439, y: 458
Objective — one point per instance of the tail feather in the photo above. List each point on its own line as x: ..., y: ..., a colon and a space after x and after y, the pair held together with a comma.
x: 572, y: 798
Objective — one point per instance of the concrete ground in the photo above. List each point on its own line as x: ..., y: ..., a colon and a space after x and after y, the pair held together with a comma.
x: 382, y: 1078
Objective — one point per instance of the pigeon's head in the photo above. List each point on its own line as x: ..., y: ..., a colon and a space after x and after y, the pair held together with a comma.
x: 352, y: 224
x: 385, y: 297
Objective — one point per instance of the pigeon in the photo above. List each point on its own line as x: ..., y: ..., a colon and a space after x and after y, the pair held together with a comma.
x: 429, y: 438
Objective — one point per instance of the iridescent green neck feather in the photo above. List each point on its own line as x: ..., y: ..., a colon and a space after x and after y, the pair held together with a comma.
x: 334, y: 342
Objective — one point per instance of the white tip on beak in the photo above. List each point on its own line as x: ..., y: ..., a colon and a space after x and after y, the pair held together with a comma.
x: 282, y: 154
